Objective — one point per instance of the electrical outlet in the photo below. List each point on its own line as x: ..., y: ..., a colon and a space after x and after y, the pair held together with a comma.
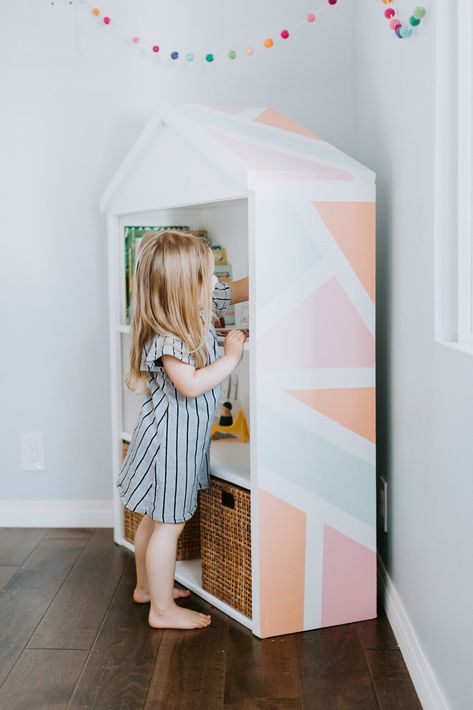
x: 32, y: 452
x: 383, y: 502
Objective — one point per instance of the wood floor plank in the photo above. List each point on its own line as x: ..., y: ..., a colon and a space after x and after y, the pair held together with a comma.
x: 333, y: 670
x: 118, y: 671
x: 376, y: 633
x: 261, y: 672
x: 26, y: 597
x: 69, y: 532
x: 74, y: 618
x: 17, y: 543
x: 42, y: 679
x: 6, y: 573
x: 191, y: 664
x: 393, y: 684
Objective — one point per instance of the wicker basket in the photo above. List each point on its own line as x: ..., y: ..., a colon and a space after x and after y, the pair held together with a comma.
x: 225, y: 534
x: 188, y: 545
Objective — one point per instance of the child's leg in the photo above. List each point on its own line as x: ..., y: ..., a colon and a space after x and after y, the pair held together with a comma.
x: 161, y: 568
x: 142, y: 537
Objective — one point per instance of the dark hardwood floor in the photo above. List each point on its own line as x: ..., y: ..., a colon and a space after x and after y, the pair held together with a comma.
x: 71, y: 637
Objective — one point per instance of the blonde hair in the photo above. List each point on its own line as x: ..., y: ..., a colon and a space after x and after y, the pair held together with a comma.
x: 173, y: 272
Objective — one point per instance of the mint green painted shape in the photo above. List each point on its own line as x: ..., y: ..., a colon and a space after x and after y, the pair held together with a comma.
x: 316, y: 464
x: 284, y: 248
x: 276, y: 139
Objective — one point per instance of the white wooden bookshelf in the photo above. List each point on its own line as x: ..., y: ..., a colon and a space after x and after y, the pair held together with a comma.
x: 297, y: 216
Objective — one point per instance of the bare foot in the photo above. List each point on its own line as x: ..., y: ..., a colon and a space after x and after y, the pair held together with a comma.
x: 176, y: 617
x: 141, y: 596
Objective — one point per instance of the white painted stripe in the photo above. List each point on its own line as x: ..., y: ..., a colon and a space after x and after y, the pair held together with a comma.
x: 307, y: 418
x: 324, y: 512
x: 292, y: 296
x: 313, y: 573
x: 270, y: 188
x: 318, y: 378
x: 339, y: 263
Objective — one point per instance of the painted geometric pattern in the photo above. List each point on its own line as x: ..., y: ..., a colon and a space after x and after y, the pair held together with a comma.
x: 314, y: 338
x: 263, y: 139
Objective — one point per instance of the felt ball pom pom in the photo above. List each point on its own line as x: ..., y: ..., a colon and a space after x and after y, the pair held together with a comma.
x: 190, y: 57
x: 284, y: 34
x: 96, y: 11
x: 332, y: 2
x: 405, y: 32
x: 311, y: 17
x: 209, y: 57
x: 389, y: 13
x: 174, y: 55
x: 232, y: 54
x: 135, y: 40
x: 414, y: 21
x: 249, y: 51
x: 398, y: 31
x: 155, y: 48
x: 387, y: 2
x: 419, y: 12
x: 394, y: 24
x: 106, y: 20
x: 268, y: 43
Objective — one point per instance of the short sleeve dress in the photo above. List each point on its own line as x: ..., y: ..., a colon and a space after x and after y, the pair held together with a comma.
x: 168, y: 458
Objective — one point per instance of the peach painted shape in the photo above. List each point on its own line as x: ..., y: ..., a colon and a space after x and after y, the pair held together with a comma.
x: 259, y: 158
x: 272, y: 117
x: 352, y: 407
x: 349, y: 580
x: 282, y: 540
x: 353, y: 226
x: 324, y: 330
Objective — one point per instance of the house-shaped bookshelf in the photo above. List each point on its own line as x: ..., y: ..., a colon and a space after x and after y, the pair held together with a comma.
x: 298, y: 216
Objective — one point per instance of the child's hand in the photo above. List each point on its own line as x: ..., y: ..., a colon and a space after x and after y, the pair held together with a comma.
x: 233, y: 344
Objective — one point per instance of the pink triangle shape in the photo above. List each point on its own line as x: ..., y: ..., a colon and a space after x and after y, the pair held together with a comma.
x: 324, y: 330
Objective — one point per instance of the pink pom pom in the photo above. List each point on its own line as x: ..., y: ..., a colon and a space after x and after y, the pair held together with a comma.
x: 311, y: 17
x: 106, y: 20
x: 284, y: 34
x: 394, y: 24
x: 135, y: 40
x: 155, y: 48
x: 389, y: 13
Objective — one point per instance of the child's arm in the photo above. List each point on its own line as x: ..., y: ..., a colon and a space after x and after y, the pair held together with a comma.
x: 191, y: 382
x: 239, y: 290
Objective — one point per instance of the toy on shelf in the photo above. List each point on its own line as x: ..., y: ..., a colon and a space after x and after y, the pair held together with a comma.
x: 238, y: 429
x: 231, y: 421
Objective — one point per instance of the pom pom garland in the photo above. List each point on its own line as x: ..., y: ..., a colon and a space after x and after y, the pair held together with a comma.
x: 395, y: 24
x: 401, y: 30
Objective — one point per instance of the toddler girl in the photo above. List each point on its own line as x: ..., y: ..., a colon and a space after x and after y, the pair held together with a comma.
x: 174, y: 358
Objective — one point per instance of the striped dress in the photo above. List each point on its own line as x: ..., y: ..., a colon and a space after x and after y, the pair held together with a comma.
x: 168, y: 458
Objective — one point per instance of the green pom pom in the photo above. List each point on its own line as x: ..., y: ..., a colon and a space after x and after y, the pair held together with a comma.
x: 414, y: 21
x: 209, y: 57
x: 419, y: 12
x: 231, y: 54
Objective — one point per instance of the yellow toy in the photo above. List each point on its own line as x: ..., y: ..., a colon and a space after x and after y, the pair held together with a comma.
x: 239, y: 427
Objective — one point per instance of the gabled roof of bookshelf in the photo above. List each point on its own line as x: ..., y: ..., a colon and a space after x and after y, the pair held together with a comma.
x: 234, y: 143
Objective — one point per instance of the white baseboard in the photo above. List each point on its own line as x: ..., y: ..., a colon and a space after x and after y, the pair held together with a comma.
x: 56, y: 514
x: 423, y: 677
